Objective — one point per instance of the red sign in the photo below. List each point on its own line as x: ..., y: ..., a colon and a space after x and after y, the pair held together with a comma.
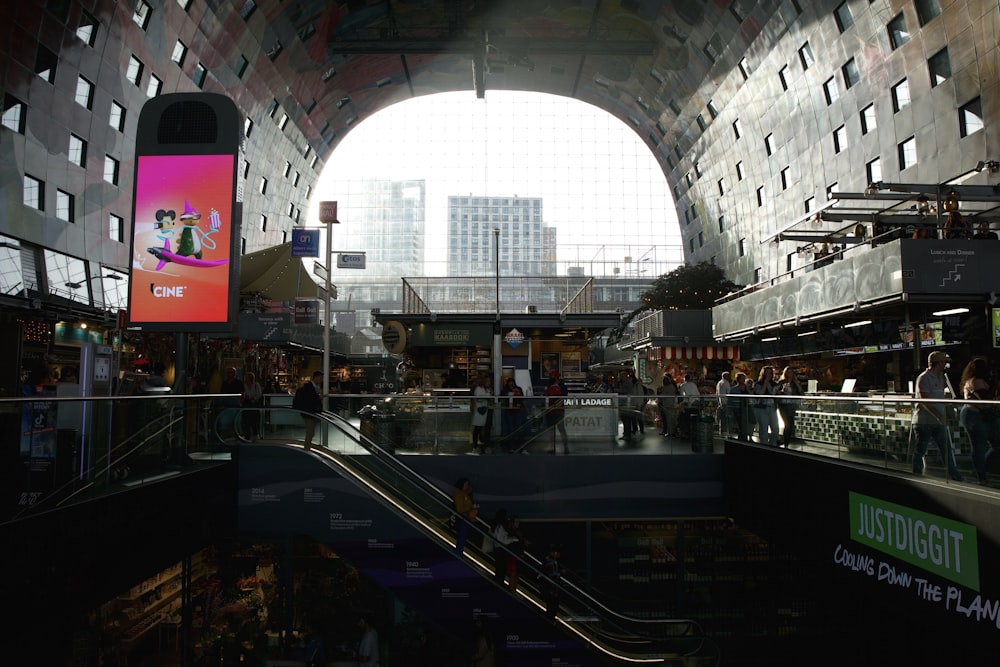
x: 121, y: 318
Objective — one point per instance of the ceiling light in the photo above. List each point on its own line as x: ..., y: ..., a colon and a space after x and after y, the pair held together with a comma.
x: 859, y: 323
x: 768, y: 340
x: 808, y: 333
x: 952, y: 311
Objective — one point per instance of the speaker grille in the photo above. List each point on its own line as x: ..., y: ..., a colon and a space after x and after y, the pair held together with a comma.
x: 188, y: 122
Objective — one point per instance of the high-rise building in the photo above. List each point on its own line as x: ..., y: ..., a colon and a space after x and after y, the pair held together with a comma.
x: 527, y: 244
x: 391, y: 229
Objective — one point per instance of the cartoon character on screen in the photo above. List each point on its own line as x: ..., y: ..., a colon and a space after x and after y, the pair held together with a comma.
x: 192, y: 242
x: 166, y: 222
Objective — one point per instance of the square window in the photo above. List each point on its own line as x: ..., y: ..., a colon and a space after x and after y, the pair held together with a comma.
x: 14, y: 113
x: 739, y: 170
x: 45, y: 64
x: 142, y: 13
x: 116, y: 118
x: 263, y: 185
x: 851, y: 73
x: 898, y: 34
x: 133, y: 72
x: 241, y: 66
x: 842, y: 14
x: 758, y: 275
x: 713, y: 111
x: 64, y: 206
x: 284, y: 121
x: 701, y: 239
x: 34, y: 193
x: 272, y: 108
x: 263, y: 222
x: 84, y: 93
x: 769, y: 144
x: 180, y: 52
x: 873, y: 170
x: 116, y: 228
x: 939, y: 66
x: 830, y: 90
x: 722, y: 224
x: 247, y: 127
x: 900, y: 96
x: 722, y: 186
x: 689, y: 179
x: 744, y: 68
x: 743, y: 247
x: 785, y: 178
x: 809, y: 204
x: 907, y: 151
x: 868, y: 121
x: 185, y: 4
x: 760, y: 196
x: 970, y: 117
x: 691, y: 244
x: 840, y: 139
x: 111, y: 167
x: 783, y: 76
x: 199, y: 75
x: 806, y: 56
x: 701, y: 122
x: 295, y: 180
x: 927, y: 10
x: 247, y: 9
x: 154, y: 86
x: 86, y: 31
x: 737, y: 128
x: 77, y: 153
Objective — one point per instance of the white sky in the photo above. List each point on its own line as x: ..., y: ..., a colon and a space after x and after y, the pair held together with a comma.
x: 600, y: 184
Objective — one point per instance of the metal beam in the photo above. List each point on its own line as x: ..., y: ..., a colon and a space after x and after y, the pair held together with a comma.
x: 535, y: 46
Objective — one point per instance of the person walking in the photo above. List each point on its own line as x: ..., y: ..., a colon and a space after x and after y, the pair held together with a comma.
x: 689, y: 404
x: 788, y: 403
x: 740, y: 405
x: 976, y: 417
x: 309, y: 401
x: 367, y: 652
x: 722, y: 388
x: 555, y: 411
x: 666, y: 401
x: 481, y: 414
x: 764, y: 409
x: 512, y: 414
x: 930, y: 419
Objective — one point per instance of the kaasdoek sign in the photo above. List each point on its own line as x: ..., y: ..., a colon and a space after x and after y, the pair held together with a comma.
x: 942, y: 547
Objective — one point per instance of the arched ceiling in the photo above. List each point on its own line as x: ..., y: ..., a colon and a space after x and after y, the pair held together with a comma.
x: 652, y: 63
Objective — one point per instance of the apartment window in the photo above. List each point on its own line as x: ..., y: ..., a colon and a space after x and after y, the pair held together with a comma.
x: 697, y: 170
x: 868, y: 122
x: 769, y: 144
x: 694, y: 212
x: 927, y: 10
x: 284, y: 121
x: 830, y: 189
x: 295, y: 180
x: 830, y: 90
x: 760, y: 196
x: 263, y: 222
x: 744, y: 68
x: 116, y: 228
x: 687, y: 217
x: 689, y: 179
x: 873, y: 170
x: 840, y: 139
x: 291, y: 210
x: 45, y: 64
x: 246, y: 169
x: 970, y: 117
x: 907, y: 151
x: 15, y: 113
x: 272, y: 108
x: 154, y: 86
x: 116, y: 118
x: 64, y: 206
x: 842, y: 14
x: 263, y: 185
x: 722, y: 224
x: 691, y: 244
x: 785, y: 177
x: 783, y: 76
x: 247, y: 127
x: 84, y: 93
x: 743, y: 247
x: 713, y: 111
x: 180, y: 53
x: 701, y: 122
x: 185, y: 4
x: 701, y: 239
x: 86, y: 31
x: 142, y: 13
x: 722, y: 186
x: 34, y: 193
x: 241, y: 66
x: 247, y: 9
x: 757, y: 275
x: 898, y: 35
x: 111, y: 167
x: 134, y: 70
x: 939, y: 66
x: 809, y: 204
x: 739, y: 170
x: 806, y: 56
x: 199, y: 75
x: 900, y: 96
x: 77, y: 151
x: 737, y: 128
x: 851, y: 73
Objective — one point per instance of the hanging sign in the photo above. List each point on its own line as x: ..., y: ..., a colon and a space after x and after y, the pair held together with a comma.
x: 514, y: 338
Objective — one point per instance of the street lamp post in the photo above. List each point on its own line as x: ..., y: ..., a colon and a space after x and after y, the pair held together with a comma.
x: 328, y: 216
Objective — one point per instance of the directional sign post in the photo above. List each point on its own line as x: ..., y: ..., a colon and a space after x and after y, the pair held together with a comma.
x: 352, y: 260
x: 328, y: 216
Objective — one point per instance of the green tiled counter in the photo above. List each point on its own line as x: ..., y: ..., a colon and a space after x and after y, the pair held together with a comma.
x: 875, y: 434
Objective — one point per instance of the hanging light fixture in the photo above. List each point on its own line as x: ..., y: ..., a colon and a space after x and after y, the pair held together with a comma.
x: 950, y: 203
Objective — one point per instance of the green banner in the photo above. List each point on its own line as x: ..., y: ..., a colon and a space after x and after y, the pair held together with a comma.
x: 942, y: 546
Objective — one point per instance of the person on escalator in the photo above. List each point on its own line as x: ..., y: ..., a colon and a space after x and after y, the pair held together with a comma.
x: 465, y: 511
x: 553, y: 570
x: 309, y: 402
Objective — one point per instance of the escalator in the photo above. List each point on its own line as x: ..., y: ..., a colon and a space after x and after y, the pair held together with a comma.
x: 394, y: 524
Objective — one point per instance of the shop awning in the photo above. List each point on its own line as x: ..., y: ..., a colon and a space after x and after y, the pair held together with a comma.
x: 697, y: 352
x: 277, y: 275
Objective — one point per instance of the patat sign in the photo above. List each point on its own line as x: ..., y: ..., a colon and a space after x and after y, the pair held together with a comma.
x: 514, y: 338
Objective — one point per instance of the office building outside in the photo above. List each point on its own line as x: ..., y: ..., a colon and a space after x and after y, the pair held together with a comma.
x: 527, y: 244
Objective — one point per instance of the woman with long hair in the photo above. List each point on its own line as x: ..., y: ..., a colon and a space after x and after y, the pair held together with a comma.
x: 978, y: 419
x: 764, y: 409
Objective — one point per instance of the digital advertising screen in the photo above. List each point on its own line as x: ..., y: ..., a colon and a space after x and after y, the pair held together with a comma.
x: 182, y: 243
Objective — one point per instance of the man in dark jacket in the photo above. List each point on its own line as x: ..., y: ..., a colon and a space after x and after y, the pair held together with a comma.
x: 309, y: 401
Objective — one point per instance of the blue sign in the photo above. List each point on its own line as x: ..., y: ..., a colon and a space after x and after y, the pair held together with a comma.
x: 305, y: 243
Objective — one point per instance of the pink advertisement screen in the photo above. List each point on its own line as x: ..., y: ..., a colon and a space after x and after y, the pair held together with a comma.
x: 181, y: 241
